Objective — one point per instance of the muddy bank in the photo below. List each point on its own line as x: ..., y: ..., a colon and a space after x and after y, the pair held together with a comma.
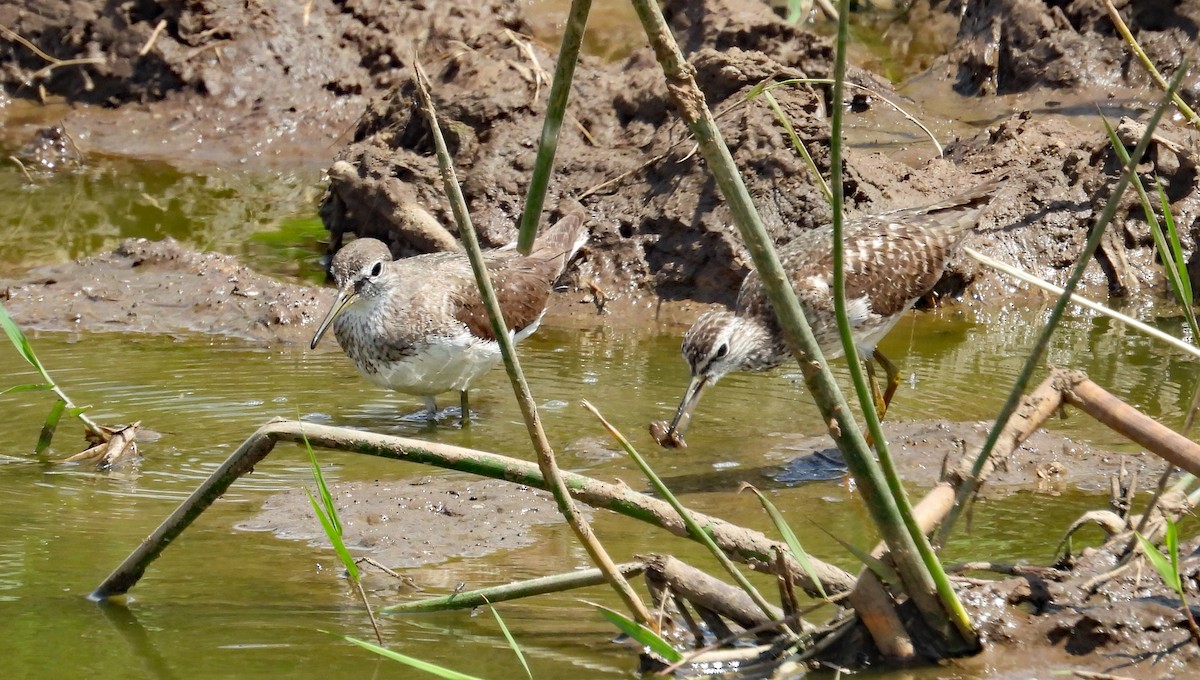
x: 1084, y: 615
x: 332, y: 84
x: 1046, y: 462
x: 161, y: 287
x: 415, y: 522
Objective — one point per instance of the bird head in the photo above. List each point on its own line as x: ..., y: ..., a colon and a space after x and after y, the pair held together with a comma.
x: 718, y: 343
x: 360, y: 271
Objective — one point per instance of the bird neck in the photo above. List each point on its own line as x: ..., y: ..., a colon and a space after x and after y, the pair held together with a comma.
x: 762, y: 347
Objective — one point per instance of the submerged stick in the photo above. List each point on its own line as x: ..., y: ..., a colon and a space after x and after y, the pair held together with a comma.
x: 513, y: 591
x: 744, y: 544
x: 1099, y: 403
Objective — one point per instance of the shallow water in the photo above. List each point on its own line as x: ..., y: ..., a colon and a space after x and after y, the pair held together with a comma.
x: 228, y: 603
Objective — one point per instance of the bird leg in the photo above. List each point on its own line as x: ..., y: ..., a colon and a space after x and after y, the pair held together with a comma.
x: 893, y: 380
x: 430, y: 409
x: 465, y: 417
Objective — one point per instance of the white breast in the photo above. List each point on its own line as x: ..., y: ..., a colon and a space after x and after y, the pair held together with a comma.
x: 449, y: 364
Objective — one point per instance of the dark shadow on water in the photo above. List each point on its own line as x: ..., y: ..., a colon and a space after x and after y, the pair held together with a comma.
x: 819, y: 466
x: 141, y: 646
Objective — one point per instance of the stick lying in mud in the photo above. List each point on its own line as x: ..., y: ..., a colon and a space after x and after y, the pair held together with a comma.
x: 744, y: 544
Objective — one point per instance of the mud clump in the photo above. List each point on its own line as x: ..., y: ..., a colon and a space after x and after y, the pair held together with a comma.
x: 160, y: 287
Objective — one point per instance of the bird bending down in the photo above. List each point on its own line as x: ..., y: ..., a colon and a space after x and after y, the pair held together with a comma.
x: 419, y: 325
x: 890, y: 261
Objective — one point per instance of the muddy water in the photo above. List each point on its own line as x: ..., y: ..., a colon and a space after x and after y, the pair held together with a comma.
x: 225, y: 603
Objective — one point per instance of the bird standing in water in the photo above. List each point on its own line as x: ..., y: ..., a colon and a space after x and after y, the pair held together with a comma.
x: 890, y: 261
x: 419, y: 325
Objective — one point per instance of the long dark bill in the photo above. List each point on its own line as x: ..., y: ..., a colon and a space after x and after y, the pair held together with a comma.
x: 344, y: 299
x: 683, y: 416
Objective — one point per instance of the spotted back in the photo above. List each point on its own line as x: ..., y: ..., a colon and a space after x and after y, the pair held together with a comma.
x: 890, y: 260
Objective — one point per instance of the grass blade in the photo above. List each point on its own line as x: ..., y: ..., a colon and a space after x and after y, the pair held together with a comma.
x: 693, y: 527
x: 25, y: 388
x: 409, y: 661
x: 789, y: 537
x: 512, y: 643
x: 1162, y: 565
x: 335, y: 537
x: 323, y: 489
x: 1172, y: 545
x: 877, y: 566
x: 50, y: 426
x: 18, y: 339
x: 1185, y: 284
x: 646, y: 637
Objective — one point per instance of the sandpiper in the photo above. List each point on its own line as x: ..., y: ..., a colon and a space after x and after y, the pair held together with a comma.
x: 891, y: 261
x: 419, y: 326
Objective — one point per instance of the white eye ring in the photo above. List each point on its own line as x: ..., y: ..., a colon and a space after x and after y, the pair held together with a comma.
x: 722, y: 350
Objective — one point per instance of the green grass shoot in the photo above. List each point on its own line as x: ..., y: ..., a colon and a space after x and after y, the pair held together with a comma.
x: 326, y: 512
x: 431, y: 668
x: 644, y: 636
x: 789, y: 537
x: 512, y: 642
x: 1167, y: 567
x: 62, y: 405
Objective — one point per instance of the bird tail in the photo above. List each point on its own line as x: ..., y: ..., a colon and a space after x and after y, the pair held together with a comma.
x: 561, y: 241
x: 961, y: 210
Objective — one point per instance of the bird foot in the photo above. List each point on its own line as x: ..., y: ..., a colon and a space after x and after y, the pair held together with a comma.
x: 433, y: 417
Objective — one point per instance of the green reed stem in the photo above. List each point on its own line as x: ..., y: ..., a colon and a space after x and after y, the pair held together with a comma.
x: 971, y: 485
x: 471, y: 599
x: 560, y: 92
x: 545, y: 453
x: 926, y: 576
x: 817, y: 374
x: 1138, y: 52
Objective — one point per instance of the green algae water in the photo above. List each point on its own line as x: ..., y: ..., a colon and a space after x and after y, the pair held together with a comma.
x: 222, y: 602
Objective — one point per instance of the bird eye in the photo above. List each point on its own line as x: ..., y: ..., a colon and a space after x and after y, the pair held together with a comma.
x: 377, y: 269
x: 722, y: 351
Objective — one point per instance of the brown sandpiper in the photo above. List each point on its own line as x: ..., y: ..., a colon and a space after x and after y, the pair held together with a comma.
x: 890, y: 261
x: 419, y: 326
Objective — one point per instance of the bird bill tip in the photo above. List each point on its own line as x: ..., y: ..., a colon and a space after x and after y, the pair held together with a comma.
x: 671, y: 435
x: 343, y: 300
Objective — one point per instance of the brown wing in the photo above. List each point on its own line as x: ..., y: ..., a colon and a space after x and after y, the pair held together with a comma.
x: 522, y: 287
x: 890, y: 263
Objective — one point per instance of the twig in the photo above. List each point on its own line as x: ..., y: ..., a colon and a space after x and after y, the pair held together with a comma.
x: 367, y: 605
x: 54, y: 62
x: 829, y: 81
x: 513, y: 591
x: 24, y: 170
x: 1084, y: 302
x: 150, y: 44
